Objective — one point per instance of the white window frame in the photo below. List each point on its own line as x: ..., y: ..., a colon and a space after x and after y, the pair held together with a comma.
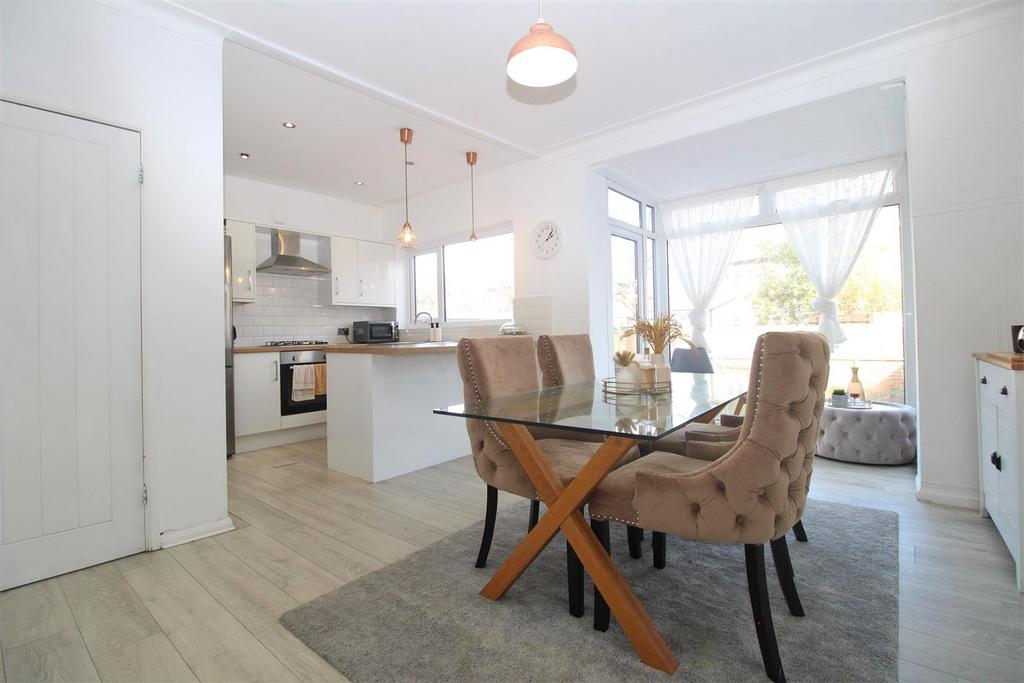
x: 767, y: 215
x: 639, y: 236
x: 437, y: 247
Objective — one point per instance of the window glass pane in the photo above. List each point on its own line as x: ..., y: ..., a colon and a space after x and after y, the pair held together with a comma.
x: 649, y: 278
x: 649, y: 218
x: 425, y: 284
x: 624, y: 291
x: 479, y: 279
x: 765, y: 288
x: 623, y: 208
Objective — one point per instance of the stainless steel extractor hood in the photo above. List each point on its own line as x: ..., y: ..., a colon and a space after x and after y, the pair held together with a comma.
x: 285, y: 259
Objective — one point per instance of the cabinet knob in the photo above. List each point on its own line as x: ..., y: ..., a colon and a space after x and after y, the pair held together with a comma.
x: 992, y: 458
x: 984, y: 380
x: 999, y: 463
x: 1004, y: 391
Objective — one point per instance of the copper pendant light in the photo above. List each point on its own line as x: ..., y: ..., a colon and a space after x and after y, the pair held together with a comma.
x: 406, y: 236
x: 471, y: 160
x: 541, y: 58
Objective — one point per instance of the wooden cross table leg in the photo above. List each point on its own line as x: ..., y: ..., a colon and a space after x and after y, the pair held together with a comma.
x: 563, y: 513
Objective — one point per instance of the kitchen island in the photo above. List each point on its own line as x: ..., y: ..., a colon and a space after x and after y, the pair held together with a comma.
x: 379, y: 412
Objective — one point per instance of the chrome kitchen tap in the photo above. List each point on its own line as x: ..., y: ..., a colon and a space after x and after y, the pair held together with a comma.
x: 435, y: 328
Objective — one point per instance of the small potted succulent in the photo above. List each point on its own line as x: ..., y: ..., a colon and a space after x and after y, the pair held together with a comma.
x: 840, y: 398
x: 625, y: 367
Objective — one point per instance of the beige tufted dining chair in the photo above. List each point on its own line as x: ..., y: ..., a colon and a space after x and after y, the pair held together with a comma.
x: 504, y: 366
x: 751, y: 495
x: 569, y: 359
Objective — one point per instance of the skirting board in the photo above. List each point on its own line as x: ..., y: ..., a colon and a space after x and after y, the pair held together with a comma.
x: 280, y: 437
x: 175, y: 537
x: 948, y: 495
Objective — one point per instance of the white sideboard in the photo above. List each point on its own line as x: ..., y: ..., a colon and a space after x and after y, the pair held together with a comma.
x: 1000, y: 378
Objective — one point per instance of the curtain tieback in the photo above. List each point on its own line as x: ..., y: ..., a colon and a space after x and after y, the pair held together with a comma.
x: 824, y: 306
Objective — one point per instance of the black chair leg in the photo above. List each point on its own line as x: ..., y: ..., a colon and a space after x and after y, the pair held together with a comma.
x: 784, y: 568
x: 485, y: 542
x: 757, y: 584
x: 602, y: 615
x: 574, y: 570
x: 658, y: 543
x: 534, y: 514
x: 635, y: 537
x: 799, y: 533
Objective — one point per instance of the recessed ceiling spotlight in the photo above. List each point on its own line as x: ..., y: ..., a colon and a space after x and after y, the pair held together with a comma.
x: 360, y: 183
x: 288, y: 124
x: 244, y: 155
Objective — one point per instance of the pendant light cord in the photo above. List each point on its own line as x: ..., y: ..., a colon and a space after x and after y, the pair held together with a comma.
x: 472, y: 201
x: 540, y: 11
x: 405, y: 153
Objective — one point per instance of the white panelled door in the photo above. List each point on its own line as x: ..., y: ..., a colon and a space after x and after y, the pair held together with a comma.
x: 71, y: 490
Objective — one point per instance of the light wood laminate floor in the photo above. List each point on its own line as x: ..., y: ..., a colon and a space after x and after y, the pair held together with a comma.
x: 208, y: 610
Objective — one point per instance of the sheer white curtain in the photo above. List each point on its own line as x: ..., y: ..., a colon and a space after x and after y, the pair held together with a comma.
x: 828, y: 217
x: 701, y: 241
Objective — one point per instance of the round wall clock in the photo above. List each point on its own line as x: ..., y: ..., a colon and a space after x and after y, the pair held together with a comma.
x: 546, y: 239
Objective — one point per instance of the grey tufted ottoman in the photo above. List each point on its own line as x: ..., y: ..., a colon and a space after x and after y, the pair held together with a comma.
x: 885, y: 434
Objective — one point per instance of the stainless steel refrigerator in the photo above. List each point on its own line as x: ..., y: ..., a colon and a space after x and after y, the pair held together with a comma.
x: 229, y: 354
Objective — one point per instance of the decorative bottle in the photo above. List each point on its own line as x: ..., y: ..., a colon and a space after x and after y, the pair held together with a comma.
x: 855, y: 389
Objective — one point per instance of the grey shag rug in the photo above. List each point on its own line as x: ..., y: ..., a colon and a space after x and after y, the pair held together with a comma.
x: 422, y: 619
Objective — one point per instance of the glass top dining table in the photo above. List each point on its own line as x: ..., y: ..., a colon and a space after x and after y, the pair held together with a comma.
x: 584, y: 407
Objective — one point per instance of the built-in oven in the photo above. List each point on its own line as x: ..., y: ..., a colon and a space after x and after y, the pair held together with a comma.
x: 295, y: 401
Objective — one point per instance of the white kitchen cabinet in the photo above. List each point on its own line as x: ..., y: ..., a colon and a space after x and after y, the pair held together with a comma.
x: 376, y: 274
x: 257, y: 393
x: 362, y: 274
x: 1001, y: 449
x: 344, y: 271
x: 243, y: 260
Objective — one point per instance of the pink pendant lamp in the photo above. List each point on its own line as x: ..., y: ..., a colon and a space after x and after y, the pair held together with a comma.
x: 541, y: 58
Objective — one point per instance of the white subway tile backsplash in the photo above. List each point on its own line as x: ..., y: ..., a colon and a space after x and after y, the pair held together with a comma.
x: 288, y: 307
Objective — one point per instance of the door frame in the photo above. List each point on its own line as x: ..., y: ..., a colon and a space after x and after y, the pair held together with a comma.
x: 150, y: 489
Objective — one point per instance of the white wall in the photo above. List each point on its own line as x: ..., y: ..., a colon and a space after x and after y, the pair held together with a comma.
x: 272, y: 205
x: 965, y: 121
x: 129, y: 64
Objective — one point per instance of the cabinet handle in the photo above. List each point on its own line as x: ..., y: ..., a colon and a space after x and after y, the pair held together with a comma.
x: 999, y: 463
x: 1003, y: 391
x: 335, y: 285
x: 360, y: 289
x: 275, y: 370
x: 992, y: 458
x: 250, y: 279
x: 984, y: 380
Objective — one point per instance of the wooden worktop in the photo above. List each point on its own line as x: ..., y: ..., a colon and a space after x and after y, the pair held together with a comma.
x: 1004, y: 359
x: 405, y: 349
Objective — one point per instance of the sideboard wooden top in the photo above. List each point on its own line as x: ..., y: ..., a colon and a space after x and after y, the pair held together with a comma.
x: 1004, y: 359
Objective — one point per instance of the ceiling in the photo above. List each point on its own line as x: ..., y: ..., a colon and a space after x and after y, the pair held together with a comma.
x: 438, y: 67
x: 341, y: 135
x: 854, y: 126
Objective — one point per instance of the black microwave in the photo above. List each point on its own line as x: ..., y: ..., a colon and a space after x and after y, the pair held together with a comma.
x: 374, y: 332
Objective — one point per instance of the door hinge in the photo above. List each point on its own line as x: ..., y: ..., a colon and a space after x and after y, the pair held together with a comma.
x: 145, y: 494
x: 140, y: 174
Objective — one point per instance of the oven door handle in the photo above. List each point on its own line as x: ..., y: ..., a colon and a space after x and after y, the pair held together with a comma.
x: 277, y: 371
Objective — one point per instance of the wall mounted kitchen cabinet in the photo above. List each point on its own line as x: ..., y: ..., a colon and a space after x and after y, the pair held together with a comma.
x: 243, y: 260
x: 362, y: 274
